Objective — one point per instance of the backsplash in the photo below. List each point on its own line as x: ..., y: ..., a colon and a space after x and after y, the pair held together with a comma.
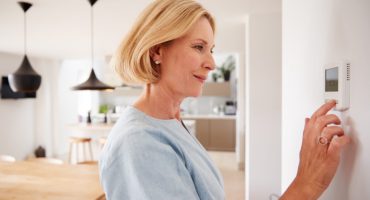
x: 200, y: 105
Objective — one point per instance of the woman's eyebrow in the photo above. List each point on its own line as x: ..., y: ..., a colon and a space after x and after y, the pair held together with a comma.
x: 203, y: 41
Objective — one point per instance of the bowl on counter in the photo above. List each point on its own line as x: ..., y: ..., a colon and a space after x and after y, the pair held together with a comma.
x: 98, y: 118
x: 113, y: 117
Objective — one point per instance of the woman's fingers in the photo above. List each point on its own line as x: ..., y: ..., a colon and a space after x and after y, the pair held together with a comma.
x: 319, y: 120
x: 337, y: 145
x: 331, y: 131
x: 316, y: 129
x: 326, y: 120
x: 306, y: 121
x: 328, y: 134
x: 323, y: 109
x: 321, y: 148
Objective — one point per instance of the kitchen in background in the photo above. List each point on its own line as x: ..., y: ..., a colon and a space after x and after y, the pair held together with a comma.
x: 60, y: 53
x: 211, y: 117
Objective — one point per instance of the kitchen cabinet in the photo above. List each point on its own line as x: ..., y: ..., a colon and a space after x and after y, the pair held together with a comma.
x: 202, y: 131
x: 222, y: 89
x: 216, y: 134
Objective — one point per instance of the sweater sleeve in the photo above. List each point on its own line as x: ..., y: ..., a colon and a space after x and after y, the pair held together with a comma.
x: 143, y: 165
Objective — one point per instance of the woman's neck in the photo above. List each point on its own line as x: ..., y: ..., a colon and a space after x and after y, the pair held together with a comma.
x: 159, y: 102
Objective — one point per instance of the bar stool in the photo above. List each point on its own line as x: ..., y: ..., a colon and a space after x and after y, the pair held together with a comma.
x: 102, y: 142
x: 82, y: 142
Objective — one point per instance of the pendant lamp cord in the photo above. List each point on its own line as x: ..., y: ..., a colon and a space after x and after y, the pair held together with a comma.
x: 92, y: 38
x: 25, y: 34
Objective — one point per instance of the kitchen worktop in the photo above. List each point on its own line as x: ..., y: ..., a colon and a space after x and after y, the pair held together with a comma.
x: 101, y: 127
x: 91, y: 127
x: 208, y: 116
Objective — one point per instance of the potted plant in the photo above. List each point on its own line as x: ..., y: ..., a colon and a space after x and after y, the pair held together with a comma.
x: 104, y: 110
x: 215, y: 76
x: 227, y: 67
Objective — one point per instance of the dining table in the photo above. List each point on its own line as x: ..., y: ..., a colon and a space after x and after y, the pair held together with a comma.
x: 22, y: 180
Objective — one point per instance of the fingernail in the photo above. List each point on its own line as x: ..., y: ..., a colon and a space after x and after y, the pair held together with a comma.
x: 332, y: 101
x: 306, y: 120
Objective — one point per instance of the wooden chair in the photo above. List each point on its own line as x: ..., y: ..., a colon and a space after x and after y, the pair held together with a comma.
x: 7, y: 158
x: 53, y: 161
x: 77, y: 142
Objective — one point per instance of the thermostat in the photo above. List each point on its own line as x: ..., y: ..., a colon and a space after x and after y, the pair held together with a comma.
x: 337, y: 77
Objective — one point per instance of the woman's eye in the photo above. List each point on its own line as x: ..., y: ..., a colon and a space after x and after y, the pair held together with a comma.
x: 199, y: 47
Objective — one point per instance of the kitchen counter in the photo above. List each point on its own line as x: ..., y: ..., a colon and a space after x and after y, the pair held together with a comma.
x: 105, y: 128
x: 93, y: 130
x: 215, y: 132
x: 205, y: 116
x: 90, y: 127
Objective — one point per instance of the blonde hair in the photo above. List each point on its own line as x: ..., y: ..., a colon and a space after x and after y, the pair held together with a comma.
x: 161, y: 22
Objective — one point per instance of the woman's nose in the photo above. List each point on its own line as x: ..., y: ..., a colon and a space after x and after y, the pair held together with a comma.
x: 210, y: 63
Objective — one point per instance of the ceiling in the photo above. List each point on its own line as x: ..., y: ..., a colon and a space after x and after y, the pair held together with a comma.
x: 61, y: 28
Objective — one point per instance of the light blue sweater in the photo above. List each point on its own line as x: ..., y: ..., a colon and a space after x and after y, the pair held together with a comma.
x: 151, y: 159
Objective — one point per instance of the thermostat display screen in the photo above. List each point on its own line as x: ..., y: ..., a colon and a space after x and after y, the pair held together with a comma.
x: 331, y: 80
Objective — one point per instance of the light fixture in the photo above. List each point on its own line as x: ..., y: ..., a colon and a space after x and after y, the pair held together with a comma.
x: 92, y: 83
x: 25, y: 79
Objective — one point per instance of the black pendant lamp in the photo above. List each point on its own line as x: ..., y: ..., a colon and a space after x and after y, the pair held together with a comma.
x: 25, y: 79
x: 92, y: 83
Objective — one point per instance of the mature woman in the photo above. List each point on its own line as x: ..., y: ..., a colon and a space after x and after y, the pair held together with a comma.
x: 150, y: 153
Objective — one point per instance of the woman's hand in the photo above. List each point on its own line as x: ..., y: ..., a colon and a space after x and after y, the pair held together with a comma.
x: 319, y: 156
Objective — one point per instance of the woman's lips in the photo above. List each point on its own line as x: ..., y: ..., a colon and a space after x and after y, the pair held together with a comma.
x: 201, y: 78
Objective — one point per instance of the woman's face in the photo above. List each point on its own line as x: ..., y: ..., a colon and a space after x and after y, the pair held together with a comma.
x: 186, y: 61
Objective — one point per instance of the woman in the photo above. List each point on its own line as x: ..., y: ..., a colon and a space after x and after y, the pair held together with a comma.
x: 149, y: 153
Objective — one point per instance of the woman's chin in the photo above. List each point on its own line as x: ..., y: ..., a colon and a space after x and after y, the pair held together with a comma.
x: 196, y: 93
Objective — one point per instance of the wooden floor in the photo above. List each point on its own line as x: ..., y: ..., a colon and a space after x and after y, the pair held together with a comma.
x: 233, y: 178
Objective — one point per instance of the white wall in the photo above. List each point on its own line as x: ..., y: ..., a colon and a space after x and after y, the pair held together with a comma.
x: 27, y: 123
x: 263, y: 105
x: 66, y: 101
x: 316, y: 33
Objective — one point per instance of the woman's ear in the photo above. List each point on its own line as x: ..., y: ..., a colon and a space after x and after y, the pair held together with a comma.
x: 156, y: 54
